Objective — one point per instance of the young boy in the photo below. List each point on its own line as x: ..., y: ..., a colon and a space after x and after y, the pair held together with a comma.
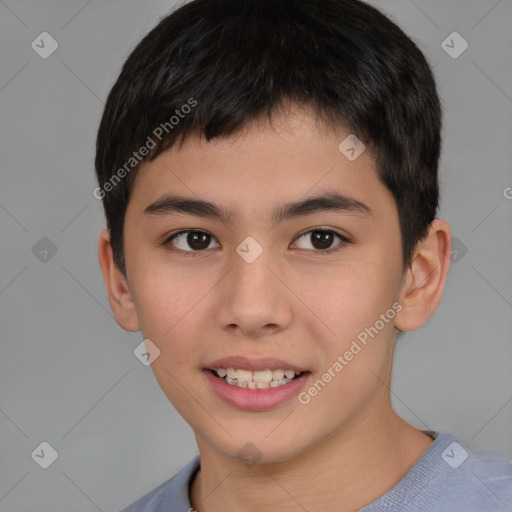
x: 268, y: 171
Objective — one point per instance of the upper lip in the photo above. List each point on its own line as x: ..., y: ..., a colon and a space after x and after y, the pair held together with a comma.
x: 254, y: 364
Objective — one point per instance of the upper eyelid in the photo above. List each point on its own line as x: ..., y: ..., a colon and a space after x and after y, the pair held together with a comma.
x: 321, y: 228
x: 168, y: 238
x: 344, y: 239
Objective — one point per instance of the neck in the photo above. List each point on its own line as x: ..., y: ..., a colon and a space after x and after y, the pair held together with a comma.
x: 343, y: 473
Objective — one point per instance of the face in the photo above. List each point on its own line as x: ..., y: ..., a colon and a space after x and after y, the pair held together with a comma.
x: 253, y: 283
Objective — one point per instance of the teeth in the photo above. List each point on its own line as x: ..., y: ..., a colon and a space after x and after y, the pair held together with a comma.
x: 258, y: 379
x: 277, y: 374
x: 257, y: 385
x: 243, y: 375
x: 262, y: 376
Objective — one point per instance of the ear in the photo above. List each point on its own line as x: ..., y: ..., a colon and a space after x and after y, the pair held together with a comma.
x: 119, y: 294
x: 424, y: 281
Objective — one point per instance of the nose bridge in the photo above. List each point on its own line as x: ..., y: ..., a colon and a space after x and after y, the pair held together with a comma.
x: 254, y: 297
x: 251, y: 273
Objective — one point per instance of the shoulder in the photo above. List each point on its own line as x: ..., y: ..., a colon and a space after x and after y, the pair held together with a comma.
x: 456, y: 478
x: 490, y: 478
x: 169, y: 495
x: 449, y: 477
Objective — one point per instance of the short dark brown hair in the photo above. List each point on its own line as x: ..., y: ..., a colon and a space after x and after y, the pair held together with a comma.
x: 210, y: 67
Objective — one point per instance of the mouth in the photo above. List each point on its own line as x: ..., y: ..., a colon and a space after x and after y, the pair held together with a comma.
x: 256, y: 379
x: 255, y: 384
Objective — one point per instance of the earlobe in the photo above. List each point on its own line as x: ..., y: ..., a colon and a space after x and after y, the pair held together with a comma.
x: 424, y: 282
x: 119, y: 294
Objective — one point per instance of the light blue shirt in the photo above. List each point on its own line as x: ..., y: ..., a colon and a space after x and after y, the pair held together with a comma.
x: 446, y: 478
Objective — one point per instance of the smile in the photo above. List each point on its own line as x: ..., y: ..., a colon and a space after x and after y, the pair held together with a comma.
x: 257, y: 379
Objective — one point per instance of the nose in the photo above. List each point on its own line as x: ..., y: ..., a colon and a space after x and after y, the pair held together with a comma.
x: 253, y: 301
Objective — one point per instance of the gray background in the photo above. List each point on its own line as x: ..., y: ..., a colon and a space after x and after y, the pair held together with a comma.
x: 68, y: 373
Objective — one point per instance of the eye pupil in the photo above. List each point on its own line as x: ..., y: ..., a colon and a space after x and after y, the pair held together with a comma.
x: 323, y: 238
x: 197, y: 240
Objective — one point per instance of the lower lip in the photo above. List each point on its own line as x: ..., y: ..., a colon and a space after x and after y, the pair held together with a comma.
x: 255, y: 399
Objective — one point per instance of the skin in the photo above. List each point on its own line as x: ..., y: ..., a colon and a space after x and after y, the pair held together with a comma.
x: 347, y: 446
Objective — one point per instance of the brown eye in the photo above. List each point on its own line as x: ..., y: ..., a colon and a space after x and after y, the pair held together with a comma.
x: 190, y: 240
x: 322, y: 240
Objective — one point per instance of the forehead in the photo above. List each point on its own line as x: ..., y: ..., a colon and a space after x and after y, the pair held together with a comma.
x: 263, y: 165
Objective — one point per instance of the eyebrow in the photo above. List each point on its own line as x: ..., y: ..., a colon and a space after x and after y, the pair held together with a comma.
x: 328, y: 201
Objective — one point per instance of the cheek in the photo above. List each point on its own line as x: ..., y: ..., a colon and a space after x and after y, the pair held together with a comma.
x: 349, y: 298
x: 169, y: 304
x: 166, y: 292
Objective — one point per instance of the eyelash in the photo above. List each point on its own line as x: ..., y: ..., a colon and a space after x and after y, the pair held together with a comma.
x: 192, y: 253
